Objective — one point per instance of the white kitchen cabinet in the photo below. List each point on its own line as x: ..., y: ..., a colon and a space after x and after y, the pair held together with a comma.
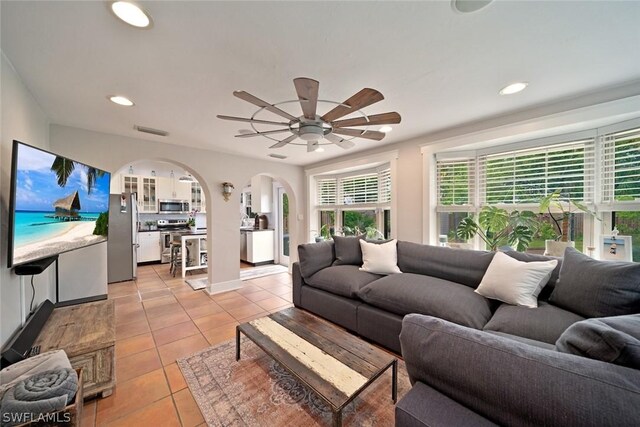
x: 130, y: 184
x: 197, y: 198
x: 261, y: 194
x: 256, y: 247
x: 149, y: 248
x: 146, y: 189
x: 164, y: 188
x: 148, y: 195
x: 183, y: 190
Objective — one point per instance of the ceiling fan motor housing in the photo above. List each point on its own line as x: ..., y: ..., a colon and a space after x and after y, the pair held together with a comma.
x: 311, y: 132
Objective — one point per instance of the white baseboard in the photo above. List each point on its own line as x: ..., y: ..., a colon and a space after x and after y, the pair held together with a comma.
x: 231, y: 285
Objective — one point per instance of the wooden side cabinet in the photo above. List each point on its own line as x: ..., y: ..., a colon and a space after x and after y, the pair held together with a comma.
x: 87, y: 333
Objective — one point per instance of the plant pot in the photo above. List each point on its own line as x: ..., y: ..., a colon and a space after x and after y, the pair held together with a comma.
x: 556, y: 248
x: 319, y: 239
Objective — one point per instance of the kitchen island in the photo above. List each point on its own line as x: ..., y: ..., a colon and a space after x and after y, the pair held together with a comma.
x: 193, y: 249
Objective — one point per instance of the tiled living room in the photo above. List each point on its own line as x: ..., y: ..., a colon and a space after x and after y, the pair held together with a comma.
x: 373, y: 213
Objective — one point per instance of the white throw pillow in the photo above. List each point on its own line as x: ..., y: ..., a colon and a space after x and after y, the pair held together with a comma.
x: 515, y: 282
x: 380, y: 258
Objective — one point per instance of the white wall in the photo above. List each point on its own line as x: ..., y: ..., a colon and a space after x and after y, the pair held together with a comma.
x: 25, y: 121
x: 211, y: 169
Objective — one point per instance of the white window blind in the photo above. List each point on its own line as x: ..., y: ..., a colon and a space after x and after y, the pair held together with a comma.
x: 385, y: 185
x: 326, y: 191
x: 456, y: 182
x: 525, y: 176
x: 359, y: 189
x: 621, y: 166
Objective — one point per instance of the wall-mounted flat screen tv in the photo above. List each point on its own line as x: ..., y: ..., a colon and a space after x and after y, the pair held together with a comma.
x: 57, y: 205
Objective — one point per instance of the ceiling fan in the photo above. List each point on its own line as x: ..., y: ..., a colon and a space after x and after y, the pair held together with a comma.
x: 313, y: 129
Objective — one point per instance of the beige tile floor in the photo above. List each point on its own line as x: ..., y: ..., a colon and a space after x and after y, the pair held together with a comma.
x: 159, y: 319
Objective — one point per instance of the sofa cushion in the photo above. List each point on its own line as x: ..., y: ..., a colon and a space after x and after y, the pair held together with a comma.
x: 414, y: 293
x: 555, y: 274
x: 545, y: 323
x: 348, y: 250
x: 534, y: 343
x: 609, y: 339
x: 314, y: 257
x: 515, y: 282
x: 457, y: 265
x: 344, y: 280
x: 594, y: 288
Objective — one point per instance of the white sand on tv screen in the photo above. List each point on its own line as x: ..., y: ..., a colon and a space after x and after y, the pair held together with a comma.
x: 77, y: 235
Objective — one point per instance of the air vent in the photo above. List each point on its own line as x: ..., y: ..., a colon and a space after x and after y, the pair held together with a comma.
x: 152, y: 131
x: 277, y: 156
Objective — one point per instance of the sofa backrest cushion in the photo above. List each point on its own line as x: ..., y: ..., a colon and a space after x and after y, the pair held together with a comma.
x: 609, y: 339
x: 348, y: 250
x: 457, y: 265
x: 314, y: 257
x: 595, y: 288
x: 555, y: 274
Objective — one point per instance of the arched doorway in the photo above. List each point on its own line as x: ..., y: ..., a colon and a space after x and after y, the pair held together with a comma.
x: 273, y: 197
x: 169, y: 196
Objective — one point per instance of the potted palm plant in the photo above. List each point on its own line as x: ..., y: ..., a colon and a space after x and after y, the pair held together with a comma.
x: 554, y: 203
x: 497, y: 227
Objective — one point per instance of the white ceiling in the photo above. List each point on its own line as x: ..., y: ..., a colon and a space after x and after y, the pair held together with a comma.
x: 437, y: 68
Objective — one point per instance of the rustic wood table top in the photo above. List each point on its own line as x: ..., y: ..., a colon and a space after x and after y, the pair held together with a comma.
x: 333, y: 363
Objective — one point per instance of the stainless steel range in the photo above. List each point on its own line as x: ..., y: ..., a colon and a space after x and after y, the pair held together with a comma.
x: 166, y: 226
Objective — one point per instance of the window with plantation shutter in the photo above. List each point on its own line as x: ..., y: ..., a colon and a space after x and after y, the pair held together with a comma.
x: 384, y: 177
x: 621, y: 166
x: 326, y: 191
x: 455, y: 182
x: 525, y: 176
x: 359, y: 189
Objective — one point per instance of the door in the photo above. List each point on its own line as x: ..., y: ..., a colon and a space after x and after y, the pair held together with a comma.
x: 283, y: 227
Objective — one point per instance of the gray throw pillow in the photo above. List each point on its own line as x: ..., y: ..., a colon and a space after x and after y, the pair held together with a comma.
x: 609, y: 339
x: 594, y: 288
x: 348, y: 250
x: 314, y: 257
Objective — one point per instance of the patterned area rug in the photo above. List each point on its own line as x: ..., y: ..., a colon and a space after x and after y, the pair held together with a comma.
x: 256, y: 391
x: 246, y: 274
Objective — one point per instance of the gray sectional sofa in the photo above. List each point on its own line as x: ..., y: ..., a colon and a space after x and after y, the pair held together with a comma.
x: 472, y: 360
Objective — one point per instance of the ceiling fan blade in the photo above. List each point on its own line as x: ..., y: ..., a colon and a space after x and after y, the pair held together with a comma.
x: 284, y: 142
x: 376, y: 119
x: 307, y: 90
x: 243, y: 119
x: 368, y: 134
x: 249, y: 135
x: 362, y: 99
x: 342, y: 143
x: 245, y: 96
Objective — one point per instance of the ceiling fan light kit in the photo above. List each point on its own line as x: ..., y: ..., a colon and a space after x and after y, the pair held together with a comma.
x: 315, y: 130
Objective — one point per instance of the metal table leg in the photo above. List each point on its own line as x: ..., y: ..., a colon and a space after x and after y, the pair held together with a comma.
x: 337, y: 418
x: 394, y: 381
x: 237, y: 343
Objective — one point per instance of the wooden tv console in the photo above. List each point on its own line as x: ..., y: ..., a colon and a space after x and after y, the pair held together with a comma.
x: 87, y: 333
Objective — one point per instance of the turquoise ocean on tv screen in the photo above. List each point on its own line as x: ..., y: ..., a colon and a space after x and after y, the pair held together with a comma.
x: 32, y: 227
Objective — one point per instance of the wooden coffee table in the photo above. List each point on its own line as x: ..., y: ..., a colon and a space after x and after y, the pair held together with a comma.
x: 334, y: 364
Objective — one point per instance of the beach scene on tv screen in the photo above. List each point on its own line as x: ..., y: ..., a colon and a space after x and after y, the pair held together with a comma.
x: 60, y: 205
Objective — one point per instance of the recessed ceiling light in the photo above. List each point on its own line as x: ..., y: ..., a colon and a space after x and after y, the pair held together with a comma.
x: 469, y: 6
x: 121, y: 100
x: 319, y: 150
x: 513, y: 88
x: 385, y: 129
x: 131, y: 13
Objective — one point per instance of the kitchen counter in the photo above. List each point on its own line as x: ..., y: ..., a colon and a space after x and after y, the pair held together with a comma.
x: 189, y: 232
x: 253, y: 230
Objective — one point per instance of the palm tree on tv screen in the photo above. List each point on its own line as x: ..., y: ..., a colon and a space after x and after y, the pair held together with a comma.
x: 63, y: 169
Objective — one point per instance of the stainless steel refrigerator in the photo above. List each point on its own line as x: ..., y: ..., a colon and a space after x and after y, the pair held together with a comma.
x: 123, y: 242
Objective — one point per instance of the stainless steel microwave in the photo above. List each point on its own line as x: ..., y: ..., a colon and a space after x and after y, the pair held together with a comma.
x: 173, y: 206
